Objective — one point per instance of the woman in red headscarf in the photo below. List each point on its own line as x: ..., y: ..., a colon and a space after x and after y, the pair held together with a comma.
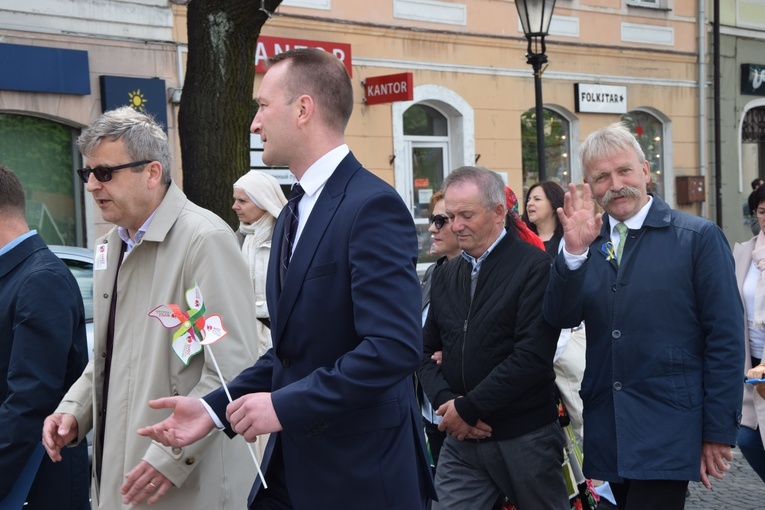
x: 514, y: 221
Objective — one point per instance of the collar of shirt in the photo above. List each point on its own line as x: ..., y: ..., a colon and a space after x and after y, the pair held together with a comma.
x: 634, y: 223
x: 476, y: 263
x: 313, y: 182
x: 123, y: 233
x: 8, y: 247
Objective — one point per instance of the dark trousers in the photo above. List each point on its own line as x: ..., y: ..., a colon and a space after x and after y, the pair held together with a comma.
x: 654, y: 494
x: 277, y: 496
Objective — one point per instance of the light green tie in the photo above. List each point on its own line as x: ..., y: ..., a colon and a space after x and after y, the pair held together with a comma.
x: 622, y: 229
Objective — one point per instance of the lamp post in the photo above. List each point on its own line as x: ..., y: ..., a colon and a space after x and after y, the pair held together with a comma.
x: 535, y: 17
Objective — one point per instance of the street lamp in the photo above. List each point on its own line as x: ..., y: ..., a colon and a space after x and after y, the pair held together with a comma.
x: 535, y: 17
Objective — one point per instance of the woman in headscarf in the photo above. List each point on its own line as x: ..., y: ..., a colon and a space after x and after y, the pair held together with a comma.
x: 514, y: 223
x: 258, y: 200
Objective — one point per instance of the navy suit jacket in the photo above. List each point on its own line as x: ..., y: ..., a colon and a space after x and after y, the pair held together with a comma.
x: 42, y: 352
x: 347, y: 338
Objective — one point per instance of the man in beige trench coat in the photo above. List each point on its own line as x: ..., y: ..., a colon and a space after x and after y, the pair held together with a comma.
x: 170, y: 246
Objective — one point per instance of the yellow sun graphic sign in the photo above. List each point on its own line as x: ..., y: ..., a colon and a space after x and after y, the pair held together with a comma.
x: 137, y: 100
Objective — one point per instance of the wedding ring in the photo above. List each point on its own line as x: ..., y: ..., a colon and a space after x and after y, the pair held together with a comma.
x: 152, y: 485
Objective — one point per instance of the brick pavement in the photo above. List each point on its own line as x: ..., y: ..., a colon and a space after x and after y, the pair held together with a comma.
x: 741, y: 489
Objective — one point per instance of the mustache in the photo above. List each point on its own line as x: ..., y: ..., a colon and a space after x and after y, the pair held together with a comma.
x: 626, y: 191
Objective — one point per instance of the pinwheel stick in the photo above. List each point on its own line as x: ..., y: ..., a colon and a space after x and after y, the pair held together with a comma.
x: 228, y: 394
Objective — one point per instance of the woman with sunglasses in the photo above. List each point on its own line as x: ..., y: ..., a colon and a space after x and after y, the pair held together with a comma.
x: 444, y: 244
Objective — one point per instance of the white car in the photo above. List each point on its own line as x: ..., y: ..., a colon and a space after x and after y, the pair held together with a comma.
x: 80, y: 263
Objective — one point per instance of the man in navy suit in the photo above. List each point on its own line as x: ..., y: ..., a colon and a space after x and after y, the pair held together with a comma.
x: 42, y: 352
x: 336, y: 388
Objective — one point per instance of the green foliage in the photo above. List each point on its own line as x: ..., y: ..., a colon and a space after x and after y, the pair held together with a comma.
x: 557, y: 143
x: 40, y: 152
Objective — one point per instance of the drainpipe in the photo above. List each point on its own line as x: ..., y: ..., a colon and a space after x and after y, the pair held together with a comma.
x: 703, y: 96
x: 718, y: 143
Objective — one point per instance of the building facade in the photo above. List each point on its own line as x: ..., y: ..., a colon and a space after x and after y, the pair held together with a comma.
x: 472, y: 99
x: 61, y: 65
x: 438, y: 84
x: 742, y: 109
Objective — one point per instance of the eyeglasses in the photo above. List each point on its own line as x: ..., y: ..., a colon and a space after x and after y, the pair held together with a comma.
x: 104, y: 173
x: 439, y: 220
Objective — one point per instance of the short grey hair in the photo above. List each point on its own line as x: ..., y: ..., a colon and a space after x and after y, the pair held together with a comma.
x: 607, y: 140
x: 489, y: 183
x: 143, y: 137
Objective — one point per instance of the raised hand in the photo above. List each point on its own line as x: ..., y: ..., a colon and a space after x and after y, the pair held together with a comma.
x: 189, y: 422
x: 581, y: 225
x: 58, y: 431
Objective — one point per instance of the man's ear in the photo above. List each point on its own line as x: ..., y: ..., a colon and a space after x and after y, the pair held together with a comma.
x: 500, y: 210
x: 306, y: 108
x: 155, y: 174
x: 647, y: 171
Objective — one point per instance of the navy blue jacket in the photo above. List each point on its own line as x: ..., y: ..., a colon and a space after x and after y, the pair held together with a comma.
x: 347, y: 337
x: 665, y: 346
x: 42, y: 352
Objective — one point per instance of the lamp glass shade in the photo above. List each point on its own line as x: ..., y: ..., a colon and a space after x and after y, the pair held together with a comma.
x: 535, y: 15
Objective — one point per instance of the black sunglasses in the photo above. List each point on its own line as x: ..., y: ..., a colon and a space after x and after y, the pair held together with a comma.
x: 439, y: 220
x: 104, y: 173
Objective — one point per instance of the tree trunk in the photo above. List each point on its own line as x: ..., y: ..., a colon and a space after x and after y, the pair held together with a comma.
x: 216, y: 105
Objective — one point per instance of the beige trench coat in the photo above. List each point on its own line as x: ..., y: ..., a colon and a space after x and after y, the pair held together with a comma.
x: 753, y: 408
x: 184, y: 245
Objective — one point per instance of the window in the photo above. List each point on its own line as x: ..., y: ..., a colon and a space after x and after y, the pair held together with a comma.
x: 557, y: 132
x: 752, y: 147
x: 427, y: 132
x: 649, y: 131
x: 655, y: 4
x: 432, y: 134
x: 42, y: 153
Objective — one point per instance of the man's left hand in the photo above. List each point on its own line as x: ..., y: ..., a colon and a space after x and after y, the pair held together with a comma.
x: 253, y: 415
x: 144, y: 481
x: 714, y: 461
x: 453, y: 424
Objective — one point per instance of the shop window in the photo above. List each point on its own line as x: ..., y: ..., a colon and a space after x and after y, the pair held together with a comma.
x: 432, y: 134
x: 557, y: 133
x: 42, y: 153
x: 752, y: 149
x: 649, y: 131
x: 426, y: 133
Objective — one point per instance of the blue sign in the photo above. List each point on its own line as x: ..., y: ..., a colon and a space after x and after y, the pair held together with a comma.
x: 142, y: 94
x: 39, y: 69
